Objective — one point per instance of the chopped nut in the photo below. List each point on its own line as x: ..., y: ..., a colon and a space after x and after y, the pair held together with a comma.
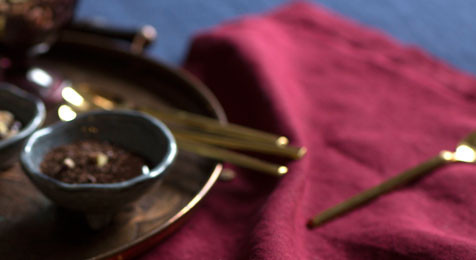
x: 8, y: 127
x: 3, y: 129
x: 101, y: 159
x: 6, y: 117
x: 69, y: 162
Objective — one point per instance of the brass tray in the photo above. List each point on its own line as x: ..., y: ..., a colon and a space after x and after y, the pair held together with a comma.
x: 32, y: 228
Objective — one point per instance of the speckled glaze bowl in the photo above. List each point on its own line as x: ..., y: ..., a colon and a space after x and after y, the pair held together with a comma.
x: 27, y: 109
x: 134, y: 131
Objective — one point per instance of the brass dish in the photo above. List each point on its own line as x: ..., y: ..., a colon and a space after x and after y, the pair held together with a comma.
x: 30, y: 221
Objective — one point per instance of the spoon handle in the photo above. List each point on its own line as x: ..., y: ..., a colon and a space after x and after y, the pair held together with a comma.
x: 366, y: 196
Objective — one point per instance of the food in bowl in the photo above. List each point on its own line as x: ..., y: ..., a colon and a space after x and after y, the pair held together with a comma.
x: 92, y: 161
x: 9, y: 126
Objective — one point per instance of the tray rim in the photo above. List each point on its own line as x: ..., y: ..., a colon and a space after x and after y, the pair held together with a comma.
x: 146, y: 242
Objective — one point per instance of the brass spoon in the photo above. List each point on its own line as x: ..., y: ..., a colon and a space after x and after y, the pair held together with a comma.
x: 465, y: 152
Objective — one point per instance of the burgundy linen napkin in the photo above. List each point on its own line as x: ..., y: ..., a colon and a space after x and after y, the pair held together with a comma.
x: 367, y: 108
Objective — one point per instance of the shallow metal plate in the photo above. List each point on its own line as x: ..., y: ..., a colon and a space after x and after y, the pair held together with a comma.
x: 32, y: 228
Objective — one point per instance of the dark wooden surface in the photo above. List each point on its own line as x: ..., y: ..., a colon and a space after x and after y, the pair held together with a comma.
x: 31, y: 227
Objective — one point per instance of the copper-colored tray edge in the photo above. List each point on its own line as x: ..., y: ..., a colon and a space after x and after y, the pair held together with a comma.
x: 148, y: 241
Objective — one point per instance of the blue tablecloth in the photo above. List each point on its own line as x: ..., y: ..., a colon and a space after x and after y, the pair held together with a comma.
x: 444, y: 28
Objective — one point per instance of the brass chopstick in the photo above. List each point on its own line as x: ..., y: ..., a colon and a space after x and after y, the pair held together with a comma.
x: 173, y: 115
x: 237, y: 159
x: 217, y: 137
x: 227, y: 135
x: 216, y: 127
x: 225, y: 141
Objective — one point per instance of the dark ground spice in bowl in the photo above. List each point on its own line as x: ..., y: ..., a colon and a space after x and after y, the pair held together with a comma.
x: 92, y: 161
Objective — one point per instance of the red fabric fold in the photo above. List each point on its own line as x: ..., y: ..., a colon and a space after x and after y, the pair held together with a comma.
x: 367, y: 108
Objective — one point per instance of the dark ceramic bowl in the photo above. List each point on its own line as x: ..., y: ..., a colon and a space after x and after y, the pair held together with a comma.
x: 136, y: 132
x: 27, y: 109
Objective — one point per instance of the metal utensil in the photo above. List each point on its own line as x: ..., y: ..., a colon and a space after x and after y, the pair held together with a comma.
x: 465, y: 152
x: 101, y: 33
x: 187, y: 140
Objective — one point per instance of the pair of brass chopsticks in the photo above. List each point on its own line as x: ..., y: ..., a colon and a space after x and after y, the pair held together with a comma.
x: 199, y: 134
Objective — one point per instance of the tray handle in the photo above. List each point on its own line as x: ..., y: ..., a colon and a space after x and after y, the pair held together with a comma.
x: 86, y: 30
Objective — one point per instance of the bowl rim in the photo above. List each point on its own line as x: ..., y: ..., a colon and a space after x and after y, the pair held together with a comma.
x: 32, y: 125
x: 154, y: 172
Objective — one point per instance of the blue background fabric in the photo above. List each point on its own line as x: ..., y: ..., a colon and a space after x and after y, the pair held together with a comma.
x: 444, y: 28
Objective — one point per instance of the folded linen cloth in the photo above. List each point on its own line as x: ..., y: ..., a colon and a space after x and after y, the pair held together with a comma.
x: 366, y: 108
